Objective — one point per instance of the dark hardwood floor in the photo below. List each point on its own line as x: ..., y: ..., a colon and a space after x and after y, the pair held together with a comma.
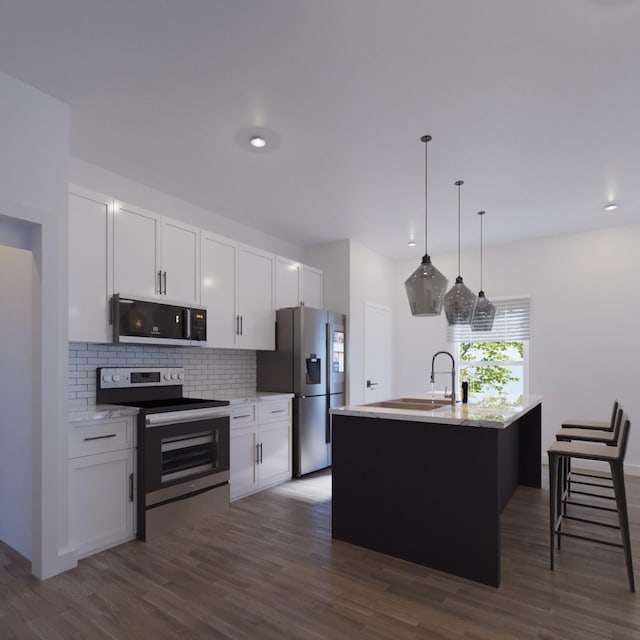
x: 269, y: 569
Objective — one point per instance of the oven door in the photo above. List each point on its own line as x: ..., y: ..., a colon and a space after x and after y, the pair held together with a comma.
x: 184, y: 446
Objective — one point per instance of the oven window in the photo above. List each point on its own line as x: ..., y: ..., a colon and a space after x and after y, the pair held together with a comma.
x: 187, y: 456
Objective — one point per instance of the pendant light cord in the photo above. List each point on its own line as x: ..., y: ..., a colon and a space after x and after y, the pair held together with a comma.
x: 426, y: 140
x: 459, y: 183
x: 480, y: 252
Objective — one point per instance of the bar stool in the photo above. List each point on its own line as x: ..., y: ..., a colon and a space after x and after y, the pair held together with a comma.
x: 604, y: 436
x: 601, y: 432
x: 614, y: 456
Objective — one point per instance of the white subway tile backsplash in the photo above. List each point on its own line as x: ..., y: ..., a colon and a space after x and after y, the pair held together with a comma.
x: 206, y: 370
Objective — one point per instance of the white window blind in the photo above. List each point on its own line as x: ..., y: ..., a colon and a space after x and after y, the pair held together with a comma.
x: 511, y: 323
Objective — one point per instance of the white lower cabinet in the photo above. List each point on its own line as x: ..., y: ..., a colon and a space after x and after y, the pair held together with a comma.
x: 260, y: 446
x: 101, y: 484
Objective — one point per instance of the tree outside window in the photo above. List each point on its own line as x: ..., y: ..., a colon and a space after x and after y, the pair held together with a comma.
x: 495, y: 370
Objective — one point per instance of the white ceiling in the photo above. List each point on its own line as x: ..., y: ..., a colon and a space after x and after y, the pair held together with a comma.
x: 533, y: 103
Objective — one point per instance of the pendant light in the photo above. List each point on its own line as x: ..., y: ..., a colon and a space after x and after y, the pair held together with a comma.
x: 426, y: 285
x: 485, y: 311
x: 460, y: 301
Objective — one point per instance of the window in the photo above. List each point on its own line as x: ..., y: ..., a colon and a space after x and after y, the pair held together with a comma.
x: 495, y: 363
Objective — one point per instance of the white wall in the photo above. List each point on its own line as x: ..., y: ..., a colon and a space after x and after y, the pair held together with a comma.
x: 333, y: 259
x: 585, y: 311
x: 33, y: 189
x: 16, y: 398
x: 111, y: 184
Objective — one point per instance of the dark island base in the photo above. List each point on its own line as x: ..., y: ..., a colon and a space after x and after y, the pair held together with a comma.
x: 431, y: 493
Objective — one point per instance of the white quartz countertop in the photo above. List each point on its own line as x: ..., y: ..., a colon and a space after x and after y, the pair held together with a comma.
x: 474, y: 414
x: 101, y: 412
x: 241, y: 397
x: 111, y: 411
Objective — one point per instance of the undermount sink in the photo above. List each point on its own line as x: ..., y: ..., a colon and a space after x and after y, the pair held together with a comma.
x: 414, y: 404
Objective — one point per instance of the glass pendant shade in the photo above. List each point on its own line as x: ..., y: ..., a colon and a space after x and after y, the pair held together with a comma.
x: 425, y: 289
x: 426, y: 285
x: 483, y: 315
x: 459, y: 303
x: 485, y: 312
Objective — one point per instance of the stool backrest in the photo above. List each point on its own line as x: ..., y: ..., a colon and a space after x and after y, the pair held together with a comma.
x: 617, y: 424
x: 614, y: 413
x: 624, y: 437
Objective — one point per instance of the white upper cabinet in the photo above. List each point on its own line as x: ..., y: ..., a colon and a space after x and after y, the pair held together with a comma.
x: 154, y: 256
x: 312, y: 284
x: 297, y: 284
x: 256, y: 310
x: 180, y: 255
x: 219, y: 288
x: 88, y: 266
x: 288, y: 282
x: 236, y: 285
x: 136, y: 251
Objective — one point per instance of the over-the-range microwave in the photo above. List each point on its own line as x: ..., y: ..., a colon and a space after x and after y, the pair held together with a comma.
x: 149, y: 321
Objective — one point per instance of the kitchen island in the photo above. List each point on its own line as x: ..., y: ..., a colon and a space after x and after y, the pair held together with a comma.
x: 429, y: 485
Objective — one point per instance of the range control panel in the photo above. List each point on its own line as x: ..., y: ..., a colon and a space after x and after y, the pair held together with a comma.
x: 118, y: 378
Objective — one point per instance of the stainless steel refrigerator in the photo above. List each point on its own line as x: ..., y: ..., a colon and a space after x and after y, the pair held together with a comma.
x: 309, y: 361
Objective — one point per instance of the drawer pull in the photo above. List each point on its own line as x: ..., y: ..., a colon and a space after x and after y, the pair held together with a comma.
x: 244, y: 415
x: 111, y: 435
x: 277, y: 410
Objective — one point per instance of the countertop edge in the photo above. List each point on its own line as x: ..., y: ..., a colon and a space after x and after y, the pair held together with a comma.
x: 491, y: 418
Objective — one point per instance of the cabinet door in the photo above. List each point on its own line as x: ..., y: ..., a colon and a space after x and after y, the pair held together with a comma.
x: 288, y: 283
x: 88, y: 268
x: 255, y: 299
x: 275, y: 441
x: 243, y: 458
x: 100, y: 501
x: 218, y: 288
x: 312, y: 287
x: 136, y: 251
x: 180, y: 261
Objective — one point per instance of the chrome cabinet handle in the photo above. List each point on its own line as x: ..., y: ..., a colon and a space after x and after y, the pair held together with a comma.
x: 261, y: 453
x: 257, y: 454
x: 241, y: 324
x: 277, y: 410
x: 164, y: 275
x: 244, y: 415
x: 111, y: 435
x: 159, y: 287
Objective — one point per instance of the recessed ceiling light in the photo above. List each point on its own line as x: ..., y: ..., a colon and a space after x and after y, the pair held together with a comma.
x: 257, y: 142
x: 611, y: 206
x: 412, y: 243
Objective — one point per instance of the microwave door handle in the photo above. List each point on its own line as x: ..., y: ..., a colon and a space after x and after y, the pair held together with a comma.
x: 115, y: 316
x: 186, y: 314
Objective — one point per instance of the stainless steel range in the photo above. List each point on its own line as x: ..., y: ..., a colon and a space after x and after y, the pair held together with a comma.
x: 182, y: 446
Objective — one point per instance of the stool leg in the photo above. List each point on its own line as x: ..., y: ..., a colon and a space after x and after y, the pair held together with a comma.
x: 553, y: 507
x: 617, y: 474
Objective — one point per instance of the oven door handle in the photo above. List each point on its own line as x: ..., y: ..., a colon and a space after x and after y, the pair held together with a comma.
x: 188, y: 415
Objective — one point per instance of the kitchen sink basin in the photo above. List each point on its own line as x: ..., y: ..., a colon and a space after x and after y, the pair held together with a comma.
x: 414, y: 404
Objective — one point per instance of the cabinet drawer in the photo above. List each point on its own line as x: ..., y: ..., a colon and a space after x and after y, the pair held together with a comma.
x: 274, y: 410
x: 244, y: 415
x: 99, y: 437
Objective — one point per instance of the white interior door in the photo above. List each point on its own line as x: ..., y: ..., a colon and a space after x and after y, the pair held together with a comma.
x: 377, y: 352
